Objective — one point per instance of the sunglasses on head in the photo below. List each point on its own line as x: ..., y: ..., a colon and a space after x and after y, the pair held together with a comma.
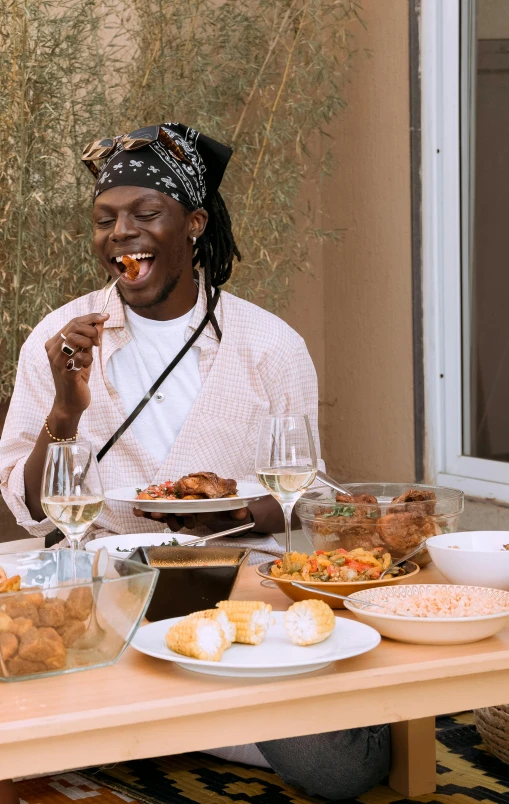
x: 100, y: 149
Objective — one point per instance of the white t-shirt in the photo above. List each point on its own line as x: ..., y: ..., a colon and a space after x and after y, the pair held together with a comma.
x: 134, y: 369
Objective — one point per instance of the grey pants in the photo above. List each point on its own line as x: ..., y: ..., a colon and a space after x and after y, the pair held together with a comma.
x: 335, y: 765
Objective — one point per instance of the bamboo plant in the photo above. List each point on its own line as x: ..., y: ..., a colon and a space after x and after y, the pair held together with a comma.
x: 263, y: 75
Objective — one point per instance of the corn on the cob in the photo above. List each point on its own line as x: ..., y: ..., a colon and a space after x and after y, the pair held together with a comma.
x: 228, y: 627
x: 251, y: 618
x: 309, y: 622
x: 198, y: 637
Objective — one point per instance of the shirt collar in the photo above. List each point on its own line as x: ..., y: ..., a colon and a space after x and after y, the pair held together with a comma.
x: 117, y: 314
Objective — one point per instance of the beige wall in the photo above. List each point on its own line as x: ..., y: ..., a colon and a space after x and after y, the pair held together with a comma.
x: 356, y: 313
x: 492, y: 19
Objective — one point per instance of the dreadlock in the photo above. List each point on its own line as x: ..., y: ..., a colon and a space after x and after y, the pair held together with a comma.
x: 214, y: 251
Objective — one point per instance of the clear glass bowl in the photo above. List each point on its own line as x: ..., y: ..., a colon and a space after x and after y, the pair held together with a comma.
x: 399, y: 527
x: 48, y: 627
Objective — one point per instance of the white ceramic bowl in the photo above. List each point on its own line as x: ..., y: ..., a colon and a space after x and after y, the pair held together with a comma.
x: 430, y: 630
x: 121, y: 545
x: 476, y: 558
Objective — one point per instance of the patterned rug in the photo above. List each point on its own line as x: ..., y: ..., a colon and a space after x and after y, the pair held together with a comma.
x: 466, y: 774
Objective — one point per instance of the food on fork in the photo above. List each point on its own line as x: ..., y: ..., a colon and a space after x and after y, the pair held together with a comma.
x: 337, y: 566
x: 195, y: 486
x: 251, y: 618
x: 309, y: 621
x: 132, y: 267
x: 199, y: 637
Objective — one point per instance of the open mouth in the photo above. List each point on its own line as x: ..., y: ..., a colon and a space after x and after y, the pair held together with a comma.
x: 144, y: 260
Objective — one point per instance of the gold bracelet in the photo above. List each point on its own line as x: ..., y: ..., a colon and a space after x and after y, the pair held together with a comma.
x: 73, y: 438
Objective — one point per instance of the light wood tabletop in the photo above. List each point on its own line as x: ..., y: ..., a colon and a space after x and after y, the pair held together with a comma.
x: 144, y: 707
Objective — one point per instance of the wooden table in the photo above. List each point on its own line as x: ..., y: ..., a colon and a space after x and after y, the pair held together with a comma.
x: 144, y: 707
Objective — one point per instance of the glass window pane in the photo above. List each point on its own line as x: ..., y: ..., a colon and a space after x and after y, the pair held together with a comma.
x: 485, y: 228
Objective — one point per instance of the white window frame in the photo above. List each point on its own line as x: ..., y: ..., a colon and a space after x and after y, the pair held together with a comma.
x: 441, y: 221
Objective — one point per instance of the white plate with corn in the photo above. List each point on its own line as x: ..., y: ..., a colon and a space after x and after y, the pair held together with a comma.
x: 247, y: 639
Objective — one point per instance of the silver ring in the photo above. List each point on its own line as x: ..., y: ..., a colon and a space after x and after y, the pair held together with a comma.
x: 71, y: 367
x: 62, y: 335
x: 67, y: 350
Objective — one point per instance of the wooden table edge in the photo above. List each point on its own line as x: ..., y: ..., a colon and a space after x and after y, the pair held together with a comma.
x: 205, y: 720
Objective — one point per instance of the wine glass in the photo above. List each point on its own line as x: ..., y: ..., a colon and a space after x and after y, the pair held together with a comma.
x: 72, y: 494
x: 286, y: 461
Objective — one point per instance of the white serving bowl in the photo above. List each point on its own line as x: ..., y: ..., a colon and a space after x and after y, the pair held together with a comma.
x: 429, y: 630
x: 476, y: 558
x: 121, y: 545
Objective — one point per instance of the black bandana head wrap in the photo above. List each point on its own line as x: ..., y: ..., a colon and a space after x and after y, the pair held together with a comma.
x: 155, y: 166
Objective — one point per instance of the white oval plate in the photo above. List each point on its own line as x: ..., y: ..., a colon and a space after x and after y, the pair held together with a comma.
x: 130, y: 541
x: 276, y: 656
x: 247, y: 492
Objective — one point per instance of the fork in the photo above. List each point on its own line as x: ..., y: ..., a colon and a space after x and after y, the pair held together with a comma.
x: 355, y: 600
x: 109, y: 287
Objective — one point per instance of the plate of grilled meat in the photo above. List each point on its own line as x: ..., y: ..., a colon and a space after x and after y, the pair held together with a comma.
x: 191, y: 494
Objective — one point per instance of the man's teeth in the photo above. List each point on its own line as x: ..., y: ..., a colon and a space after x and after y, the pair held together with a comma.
x: 134, y: 257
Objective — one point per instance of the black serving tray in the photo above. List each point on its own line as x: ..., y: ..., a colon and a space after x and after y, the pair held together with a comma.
x: 190, y: 578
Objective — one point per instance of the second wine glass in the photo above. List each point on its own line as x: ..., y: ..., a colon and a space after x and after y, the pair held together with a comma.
x: 72, y: 494
x: 286, y: 461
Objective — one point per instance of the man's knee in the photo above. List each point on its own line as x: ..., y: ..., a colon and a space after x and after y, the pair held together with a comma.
x: 337, y: 765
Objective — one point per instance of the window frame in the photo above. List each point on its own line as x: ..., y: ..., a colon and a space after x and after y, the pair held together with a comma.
x: 442, y: 248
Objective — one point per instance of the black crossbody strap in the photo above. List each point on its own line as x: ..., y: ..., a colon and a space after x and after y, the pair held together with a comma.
x: 56, y: 536
x: 150, y: 393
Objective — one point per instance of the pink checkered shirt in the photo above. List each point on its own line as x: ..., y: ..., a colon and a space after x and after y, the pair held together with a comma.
x: 261, y: 366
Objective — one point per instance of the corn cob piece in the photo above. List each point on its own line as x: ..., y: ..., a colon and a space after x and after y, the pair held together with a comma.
x: 221, y: 617
x: 309, y: 622
x: 251, y: 618
x: 198, y: 637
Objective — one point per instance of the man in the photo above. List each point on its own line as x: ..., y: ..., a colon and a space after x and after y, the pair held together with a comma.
x: 82, y: 372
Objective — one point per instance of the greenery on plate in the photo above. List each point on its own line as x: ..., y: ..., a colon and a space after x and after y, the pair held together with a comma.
x: 173, y: 543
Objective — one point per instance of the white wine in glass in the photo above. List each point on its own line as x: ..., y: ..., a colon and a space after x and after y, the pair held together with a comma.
x: 286, y: 462
x: 72, y: 495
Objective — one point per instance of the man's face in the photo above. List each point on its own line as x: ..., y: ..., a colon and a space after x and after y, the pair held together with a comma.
x: 139, y: 221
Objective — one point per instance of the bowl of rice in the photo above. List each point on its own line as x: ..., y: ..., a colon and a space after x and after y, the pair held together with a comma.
x: 433, y: 614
